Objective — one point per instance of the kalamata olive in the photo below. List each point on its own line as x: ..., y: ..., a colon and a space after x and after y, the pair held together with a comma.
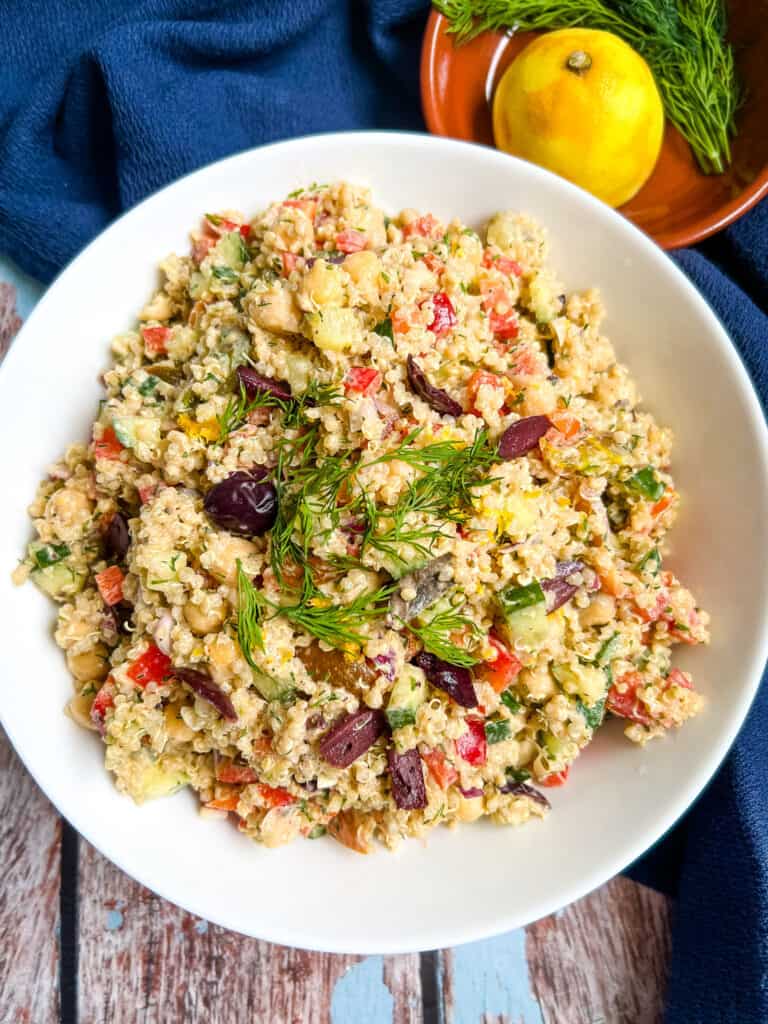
x: 455, y: 680
x: 435, y: 398
x: 202, y: 684
x: 336, y: 258
x: 523, y: 789
x: 522, y: 436
x: 407, y: 775
x: 117, y: 537
x: 558, y: 590
x: 257, y: 384
x: 245, y: 503
x: 336, y: 667
x: 352, y: 736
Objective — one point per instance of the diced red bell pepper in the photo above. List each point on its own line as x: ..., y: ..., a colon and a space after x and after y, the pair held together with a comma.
x: 423, y: 227
x: 566, y: 424
x: 350, y: 240
x: 662, y: 504
x: 555, y: 778
x: 289, y: 262
x: 151, y: 667
x: 444, y: 318
x: 471, y: 745
x: 103, y: 700
x: 478, y: 379
x: 228, y: 802
x: 400, y: 320
x: 307, y: 206
x: 627, y: 704
x: 656, y: 611
x: 503, y: 671
x: 108, y: 446
x: 504, y: 264
x: 110, y: 584
x: 228, y: 771
x: 145, y: 493
x: 433, y: 263
x: 362, y: 380
x: 276, y: 797
x: 156, y: 340
x: 678, y: 678
x: 502, y: 318
x: 443, y: 773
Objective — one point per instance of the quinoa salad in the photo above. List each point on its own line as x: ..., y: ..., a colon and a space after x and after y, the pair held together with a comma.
x: 369, y: 533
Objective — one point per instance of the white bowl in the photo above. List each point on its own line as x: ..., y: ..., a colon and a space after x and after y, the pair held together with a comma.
x: 478, y: 880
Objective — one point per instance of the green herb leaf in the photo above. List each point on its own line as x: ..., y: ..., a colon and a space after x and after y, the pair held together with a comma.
x: 593, y: 715
x: 509, y: 700
x: 518, y: 774
x: 399, y: 717
x: 148, y: 386
x: 226, y: 274
x: 497, y: 730
x: 48, y: 554
x: 650, y: 562
x: 646, y: 482
x: 514, y: 598
x: 250, y: 608
x: 436, y: 636
x: 384, y: 329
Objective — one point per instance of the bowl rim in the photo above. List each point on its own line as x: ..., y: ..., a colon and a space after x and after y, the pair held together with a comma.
x: 86, y: 822
x: 725, y: 214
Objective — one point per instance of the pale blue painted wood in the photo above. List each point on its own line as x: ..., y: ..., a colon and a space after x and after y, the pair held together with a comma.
x: 361, y: 995
x: 491, y: 977
x: 28, y: 290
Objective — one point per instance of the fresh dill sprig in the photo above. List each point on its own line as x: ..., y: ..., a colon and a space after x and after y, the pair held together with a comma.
x: 683, y: 42
x: 250, y: 609
x: 294, y: 410
x: 336, y: 624
x: 436, y: 636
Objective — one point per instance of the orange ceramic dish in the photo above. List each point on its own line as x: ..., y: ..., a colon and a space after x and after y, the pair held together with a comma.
x: 678, y: 205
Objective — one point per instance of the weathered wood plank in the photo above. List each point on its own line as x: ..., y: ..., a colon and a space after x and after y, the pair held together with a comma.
x: 604, y: 959
x: 145, y: 961
x: 30, y: 838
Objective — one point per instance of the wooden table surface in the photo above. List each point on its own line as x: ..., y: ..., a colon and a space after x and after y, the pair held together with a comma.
x: 82, y: 942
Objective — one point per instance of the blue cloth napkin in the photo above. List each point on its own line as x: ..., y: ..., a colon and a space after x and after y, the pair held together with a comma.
x: 102, y: 103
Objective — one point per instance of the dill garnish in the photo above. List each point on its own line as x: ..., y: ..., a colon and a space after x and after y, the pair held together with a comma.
x: 437, y: 632
x: 250, y: 608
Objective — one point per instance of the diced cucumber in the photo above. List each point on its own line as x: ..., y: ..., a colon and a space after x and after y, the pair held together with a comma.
x: 59, y: 580
x: 407, y: 696
x: 155, y: 781
x: 528, y: 628
x: 230, y: 251
x: 512, y: 599
x: 553, y: 745
x: 273, y: 689
x: 334, y: 330
x: 44, y: 555
x: 585, y: 681
x: 408, y: 561
x: 134, y: 430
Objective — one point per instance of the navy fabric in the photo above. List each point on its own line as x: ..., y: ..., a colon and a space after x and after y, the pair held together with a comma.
x: 103, y: 102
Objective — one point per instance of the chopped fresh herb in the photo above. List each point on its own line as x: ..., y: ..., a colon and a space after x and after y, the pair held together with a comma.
x: 399, y: 717
x: 593, y: 715
x: 650, y: 562
x: 48, y: 554
x: 226, y: 274
x: 608, y: 650
x: 518, y: 774
x: 497, y: 730
x: 317, y: 832
x: 335, y: 624
x: 509, y: 700
x: 514, y: 598
x: 436, y: 635
x: 148, y: 386
x: 646, y: 482
x: 250, y: 609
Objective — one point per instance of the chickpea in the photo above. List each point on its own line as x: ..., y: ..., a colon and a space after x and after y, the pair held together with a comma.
x: 539, y: 399
x: 175, y: 725
x: 469, y: 809
x: 281, y: 825
x: 203, y: 619
x: 364, y: 268
x: 89, y: 665
x: 274, y: 310
x: 221, y: 651
x: 223, y: 551
x: 323, y: 286
x: 159, y: 307
x: 538, y: 681
x: 79, y: 710
x: 69, y: 510
x: 599, y: 612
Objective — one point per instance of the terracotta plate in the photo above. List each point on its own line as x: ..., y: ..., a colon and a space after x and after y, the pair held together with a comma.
x: 678, y: 205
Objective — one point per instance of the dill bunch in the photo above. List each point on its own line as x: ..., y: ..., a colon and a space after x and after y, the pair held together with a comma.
x: 437, y: 633
x: 683, y: 41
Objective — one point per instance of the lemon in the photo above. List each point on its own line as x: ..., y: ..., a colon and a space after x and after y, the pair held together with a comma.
x: 585, y: 105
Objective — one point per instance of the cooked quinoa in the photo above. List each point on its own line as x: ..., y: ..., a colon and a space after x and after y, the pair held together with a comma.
x: 369, y: 534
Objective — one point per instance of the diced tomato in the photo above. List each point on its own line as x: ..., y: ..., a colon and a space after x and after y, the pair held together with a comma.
x: 505, y: 668
x: 362, y: 380
x: 555, y: 778
x: 307, y: 206
x: 107, y: 447
x: 155, y: 339
x: 443, y: 773
x: 504, y: 264
x: 201, y: 247
x: 228, y: 771
x: 400, y: 320
x: 110, y: 584
x: 525, y: 362
x: 348, y: 828
x: 502, y: 318
x: 627, y: 704
x: 566, y: 423
x: 423, y: 227
x: 145, y: 493
x: 471, y: 745
x: 350, y: 240
x: 678, y: 678
x: 476, y: 381
x: 662, y: 504
x: 276, y: 797
x: 151, y: 667
x: 289, y: 262
x: 433, y: 263
x: 656, y: 611
x: 444, y: 318
x: 103, y: 700
x: 225, y: 803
